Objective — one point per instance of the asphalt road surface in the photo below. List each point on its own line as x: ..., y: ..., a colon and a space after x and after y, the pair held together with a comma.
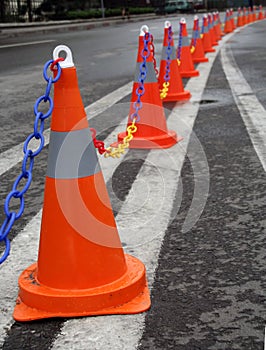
x: 193, y: 213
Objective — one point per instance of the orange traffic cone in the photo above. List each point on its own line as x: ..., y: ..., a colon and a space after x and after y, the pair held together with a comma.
x: 81, y: 269
x: 211, y: 30
x: 239, y: 18
x: 184, y: 57
x: 169, y: 71
x: 232, y: 18
x: 227, y: 23
x: 150, y: 121
x: 250, y: 16
x: 260, y: 15
x: 254, y: 14
x: 196, y: 46
x: 206, y: 39
x: 216, y: 28
x: 219, y: 24
x: 245, y: 20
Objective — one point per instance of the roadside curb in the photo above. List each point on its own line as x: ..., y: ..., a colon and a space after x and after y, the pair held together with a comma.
x: 16, y: 30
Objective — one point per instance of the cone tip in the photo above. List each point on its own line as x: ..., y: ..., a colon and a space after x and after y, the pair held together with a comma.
x: 144, y: 29
x: 68, y: 61
x: 182, y: 20
x: 167, y: 24
x: 196, y: 18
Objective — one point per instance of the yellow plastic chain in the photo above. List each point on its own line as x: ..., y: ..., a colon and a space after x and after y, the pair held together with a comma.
x: 178, y: 62
x: 115, y: 152
x: 192, y: 49
x: 164, y: 90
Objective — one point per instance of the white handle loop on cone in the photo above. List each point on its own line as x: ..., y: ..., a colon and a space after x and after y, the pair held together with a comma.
x: 167, y: 24
x: 182, y: 20
x: 68, y: 61
x: 144, y: 29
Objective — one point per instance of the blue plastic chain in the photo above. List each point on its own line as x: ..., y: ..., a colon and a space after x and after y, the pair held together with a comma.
x: 140, y: 90
x: 28, y: 160
x: 169, y: 50
x: 179, y: 42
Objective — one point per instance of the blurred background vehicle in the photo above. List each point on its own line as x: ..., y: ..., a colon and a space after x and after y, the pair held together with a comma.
x: 199, y: 5
x: 175, y: 6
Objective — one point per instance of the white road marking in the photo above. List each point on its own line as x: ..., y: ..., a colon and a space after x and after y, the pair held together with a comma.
x: 27, y: 44
x: 265, y: 338
x: 251, y: 110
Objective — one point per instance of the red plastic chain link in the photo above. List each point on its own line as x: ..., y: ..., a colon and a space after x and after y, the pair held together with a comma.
x: 53, y: 65
x: 97, y: 143
x: 152, y: 50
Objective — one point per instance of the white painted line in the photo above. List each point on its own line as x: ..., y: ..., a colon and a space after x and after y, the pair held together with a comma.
x: 107, y: 101
x: 24, y: 251
x: 26, y: 44
x: 251, y: 110
x: 143, y: 227
x: 14, y: 155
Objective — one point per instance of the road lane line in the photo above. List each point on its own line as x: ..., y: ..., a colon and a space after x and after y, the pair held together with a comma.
x: 26, y: 44
x: 14, y: 155
x: 251, y: 110
x: 124, y: 332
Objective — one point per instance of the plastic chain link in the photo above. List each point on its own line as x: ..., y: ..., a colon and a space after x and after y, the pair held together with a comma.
x: 152, y: 50
x: 164, y: 90
x: 28, y: 160
x: 115, y: 152
x: 179, y: 44
x: 97, y: 143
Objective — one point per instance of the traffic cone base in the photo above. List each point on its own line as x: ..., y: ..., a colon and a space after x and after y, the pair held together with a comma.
x: 165, y: 140
x: 200, y: 59
x: 127, y: 295
x: 191, y: 73
x: 210, y: 50
x: 178, y: 96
